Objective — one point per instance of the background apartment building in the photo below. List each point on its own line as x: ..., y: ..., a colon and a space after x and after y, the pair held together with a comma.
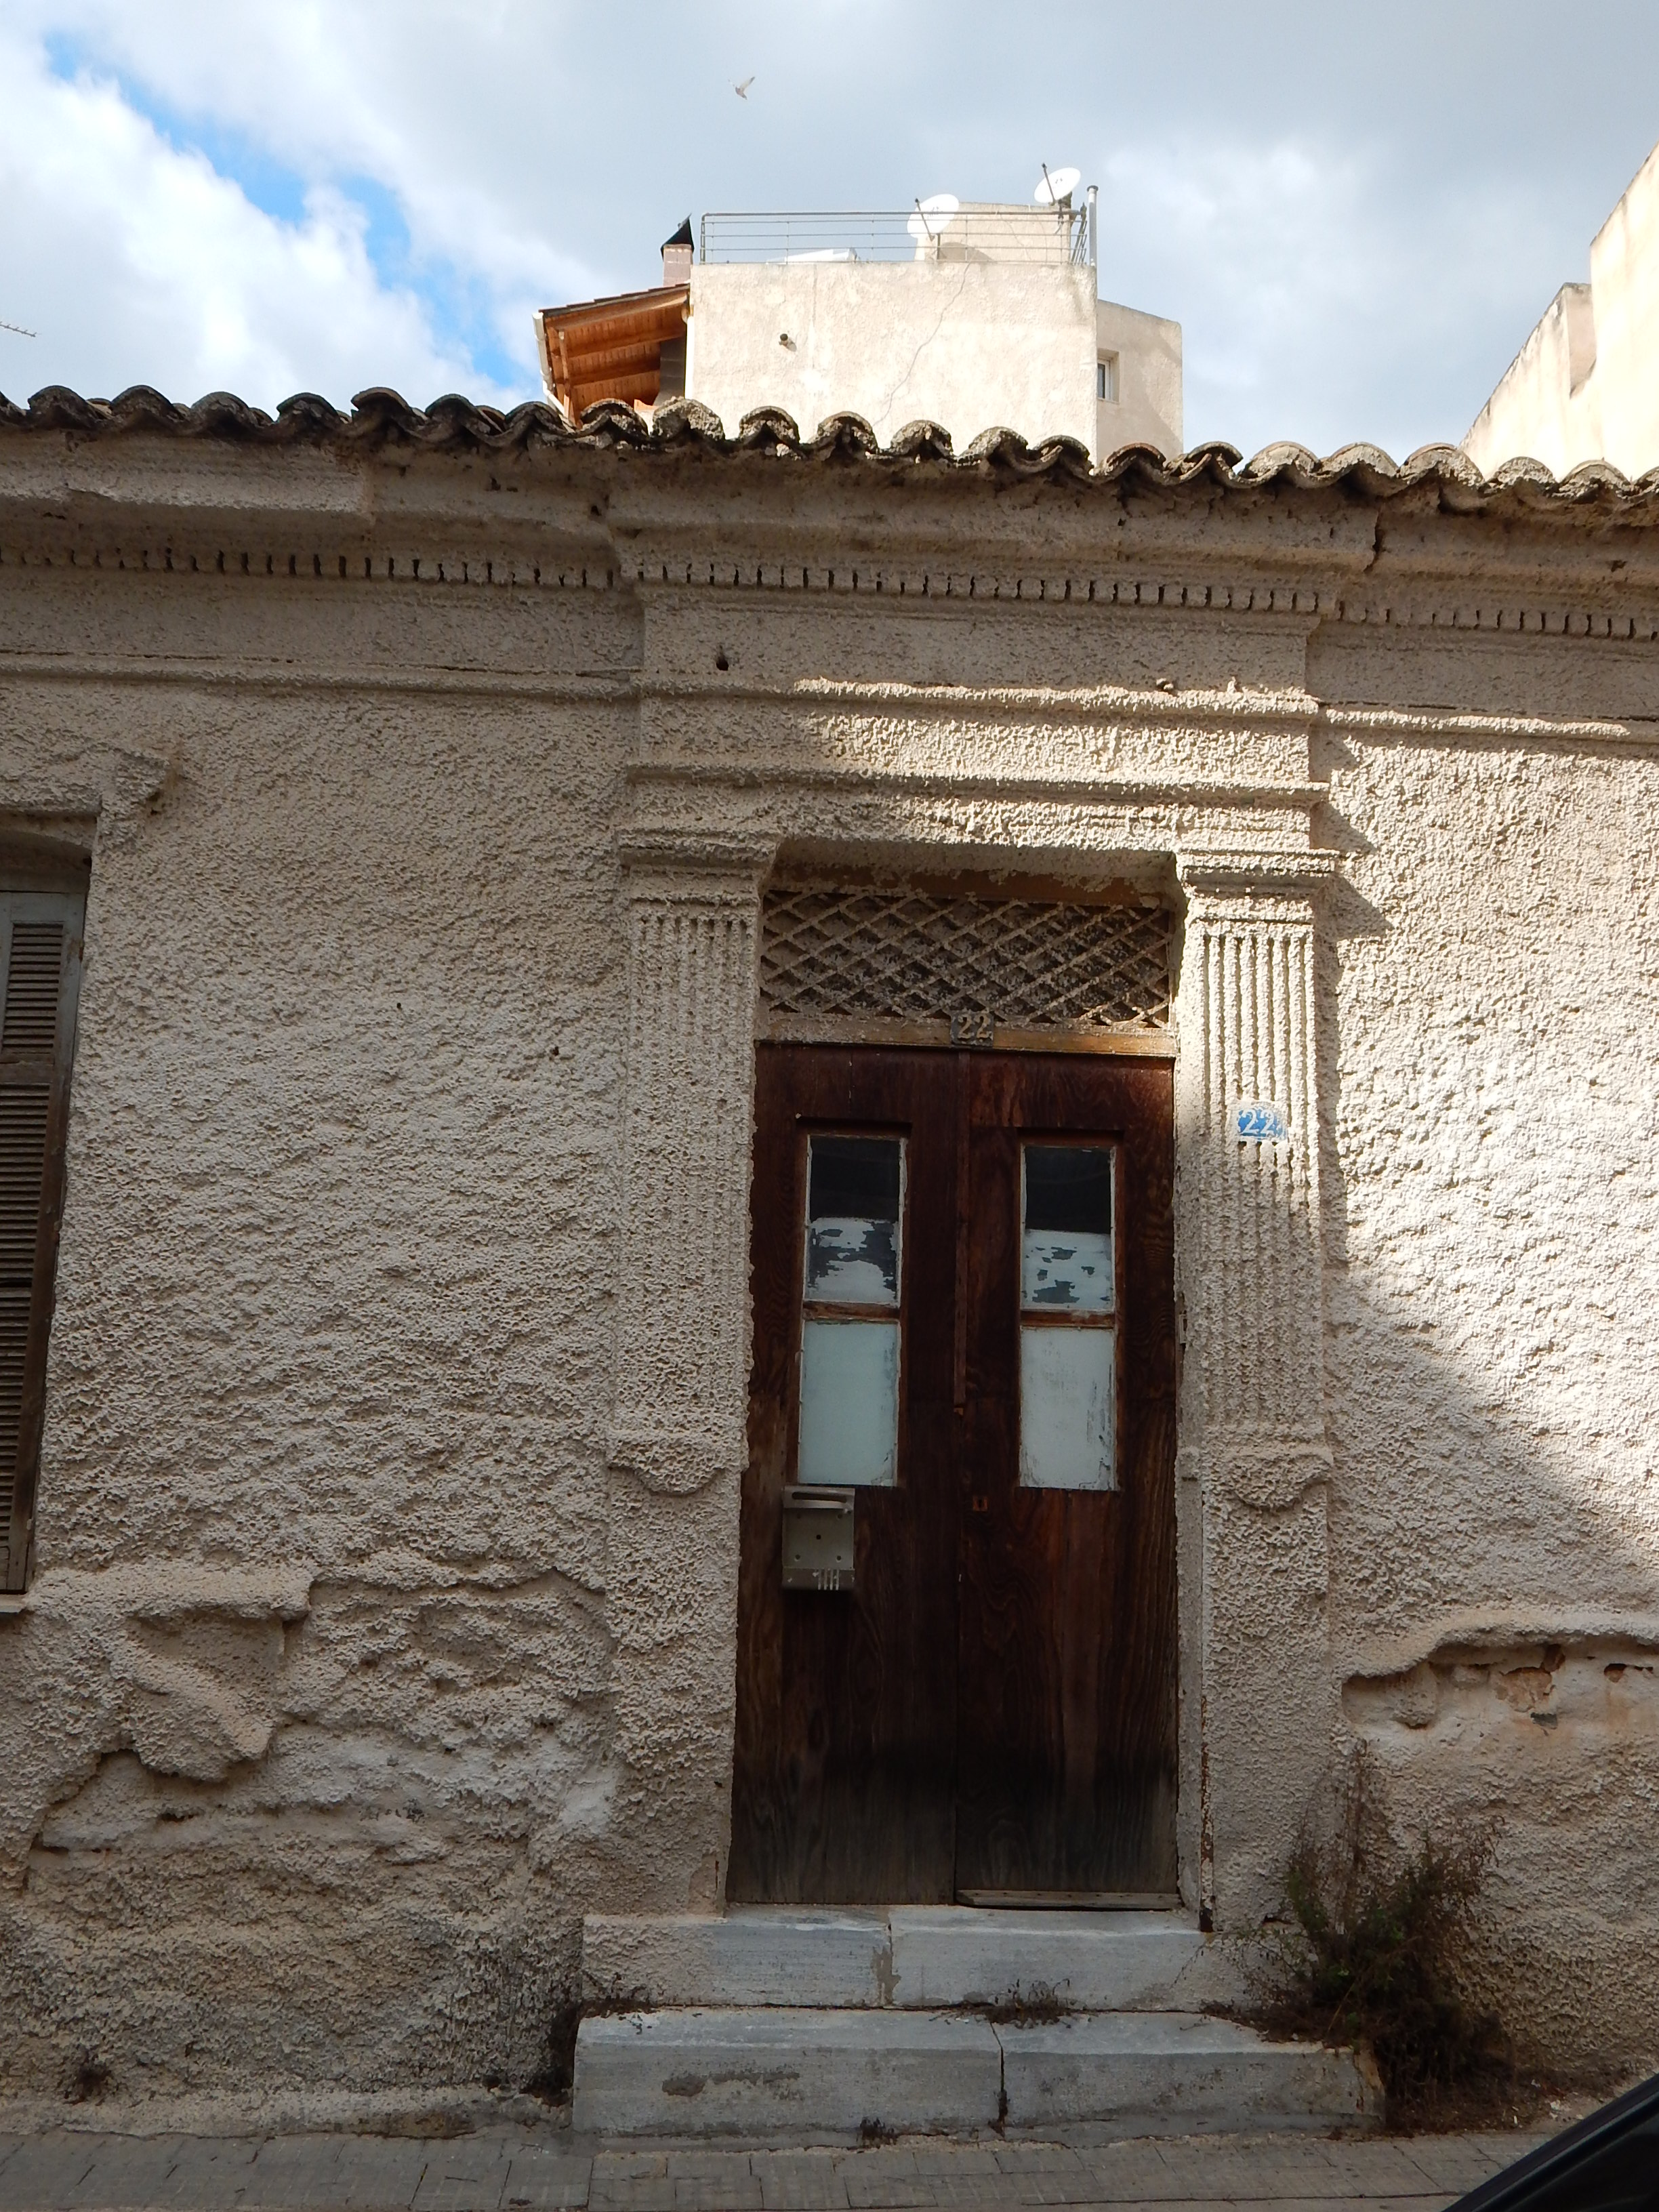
x: 1585, y: 386
x: 971, y: 315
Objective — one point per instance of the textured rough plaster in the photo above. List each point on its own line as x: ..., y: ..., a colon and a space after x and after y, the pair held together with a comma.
x: 364, y: 1656
x: 1492, y: 1213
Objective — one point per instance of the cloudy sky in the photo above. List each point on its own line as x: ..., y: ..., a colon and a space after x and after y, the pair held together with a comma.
x: 1357, y: 211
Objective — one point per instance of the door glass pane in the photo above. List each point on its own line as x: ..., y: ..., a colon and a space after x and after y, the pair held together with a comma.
x: 1065, y: 1258
x: 850, y: 1401
x: 1068, y: 1347
x: 1067, y: 1397
x: 849, y: 1363
x: 852, y: 1210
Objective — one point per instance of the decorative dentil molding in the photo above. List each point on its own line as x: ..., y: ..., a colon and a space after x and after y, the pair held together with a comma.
x: 1500, y: 605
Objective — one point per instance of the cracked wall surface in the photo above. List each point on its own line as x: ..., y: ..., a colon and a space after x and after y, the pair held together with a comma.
x: 361, y: 1659
x: 902, y: 342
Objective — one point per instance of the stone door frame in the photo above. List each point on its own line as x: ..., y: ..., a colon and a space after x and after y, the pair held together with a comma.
x: 699, y: 836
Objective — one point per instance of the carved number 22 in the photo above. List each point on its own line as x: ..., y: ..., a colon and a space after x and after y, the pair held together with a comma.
x: 972, y: 1027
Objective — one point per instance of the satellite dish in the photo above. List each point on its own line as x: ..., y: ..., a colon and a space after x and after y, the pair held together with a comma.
x: 932, y: 214
x: 1054, y: 191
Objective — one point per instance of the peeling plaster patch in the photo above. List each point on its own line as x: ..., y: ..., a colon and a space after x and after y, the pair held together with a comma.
x: 1461, y: 1688
x: 183, y: 1718
x: 586, y: 1810
x: 244, y: 1786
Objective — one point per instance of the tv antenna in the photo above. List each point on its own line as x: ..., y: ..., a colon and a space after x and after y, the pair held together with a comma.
x: 18, y: 332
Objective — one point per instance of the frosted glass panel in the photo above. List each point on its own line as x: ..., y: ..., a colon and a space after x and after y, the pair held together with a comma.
x: 849, y: 1402
x: 1066, y: 1408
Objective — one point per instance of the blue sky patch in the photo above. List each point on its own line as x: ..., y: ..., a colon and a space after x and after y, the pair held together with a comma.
x: 278, y: 192
x: 459, y: 309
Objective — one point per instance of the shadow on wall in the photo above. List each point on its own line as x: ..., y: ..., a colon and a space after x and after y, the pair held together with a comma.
x: 1490, y: 1193
x: 247, y: 1811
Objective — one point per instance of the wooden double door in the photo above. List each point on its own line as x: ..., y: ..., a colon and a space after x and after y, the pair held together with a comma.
x: 963, y: 1272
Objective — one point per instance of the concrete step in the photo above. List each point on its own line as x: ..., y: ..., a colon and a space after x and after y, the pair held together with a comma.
x: 784, y: 2072
x: 953, y: 1954
x: 1175, y: 2074
x: 750, y: 1955
x: 821, y: 2075
x: 920, y: 1956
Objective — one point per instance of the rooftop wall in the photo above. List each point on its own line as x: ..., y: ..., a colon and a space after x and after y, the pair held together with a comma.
x: 1147, y: 411
x: 1625, y: 286
x: 968, y: 344
x: 1585, y: 386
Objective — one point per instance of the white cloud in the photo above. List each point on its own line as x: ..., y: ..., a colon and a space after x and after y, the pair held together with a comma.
x: 436, y: 104
x: 137, y: 262
x: 1356, y: 215
x: 1311, y: 311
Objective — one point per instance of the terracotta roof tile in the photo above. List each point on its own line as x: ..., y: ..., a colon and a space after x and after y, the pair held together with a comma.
x: 380, y: 418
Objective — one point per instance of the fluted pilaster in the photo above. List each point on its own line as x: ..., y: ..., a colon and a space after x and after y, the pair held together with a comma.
x: 680, y: 1391
x: 1257, y: 1693
x: 682, y: 1344
x: 1255, y: 1295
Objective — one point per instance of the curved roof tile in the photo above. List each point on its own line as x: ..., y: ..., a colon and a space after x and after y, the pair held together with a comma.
x: 381, y: 418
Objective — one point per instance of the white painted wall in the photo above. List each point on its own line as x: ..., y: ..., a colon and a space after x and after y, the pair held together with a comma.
x: 1585, y: 386
x: 1147, y: 409
x: 968, y: 344
x: 1624, y: 282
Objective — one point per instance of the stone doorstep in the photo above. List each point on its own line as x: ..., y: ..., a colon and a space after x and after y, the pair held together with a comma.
x: 784, y: 2071
x: 809, y: 2075
x: 1122, y: 1961
x: 757, y: 1956
x: 920, y: 1956
x: 1169, y: 2073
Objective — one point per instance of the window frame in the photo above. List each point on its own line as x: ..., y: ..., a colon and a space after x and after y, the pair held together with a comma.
x: 40, y: 894
x: 1109, y: 1324
x: 832, y: 1310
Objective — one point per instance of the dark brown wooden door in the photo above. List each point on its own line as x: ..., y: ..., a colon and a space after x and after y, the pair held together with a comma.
x: 990, y: 1708
x: 1066, y: 1684
x: 845, y: 1774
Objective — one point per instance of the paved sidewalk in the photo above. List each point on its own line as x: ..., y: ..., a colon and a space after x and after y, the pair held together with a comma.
x: 524, y: 2170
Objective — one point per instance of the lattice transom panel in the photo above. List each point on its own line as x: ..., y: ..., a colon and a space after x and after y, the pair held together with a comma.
x: 920, y: 957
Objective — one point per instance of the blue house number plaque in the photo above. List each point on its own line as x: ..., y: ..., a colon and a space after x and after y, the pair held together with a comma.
x: 1261, y: 1122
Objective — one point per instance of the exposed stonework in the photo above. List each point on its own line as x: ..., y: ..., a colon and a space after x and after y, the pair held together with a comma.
x: 384, y: 1614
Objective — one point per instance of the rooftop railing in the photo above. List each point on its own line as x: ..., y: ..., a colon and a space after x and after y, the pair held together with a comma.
x: 1059, y: 236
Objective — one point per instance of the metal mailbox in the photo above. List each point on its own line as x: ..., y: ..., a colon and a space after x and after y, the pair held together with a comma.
x: 818, y: 1539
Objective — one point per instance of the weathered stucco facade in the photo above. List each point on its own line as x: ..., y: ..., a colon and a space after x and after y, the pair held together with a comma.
x: 431, y: 770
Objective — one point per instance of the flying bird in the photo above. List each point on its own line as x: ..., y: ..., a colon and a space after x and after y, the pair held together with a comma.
x: 742, y: 90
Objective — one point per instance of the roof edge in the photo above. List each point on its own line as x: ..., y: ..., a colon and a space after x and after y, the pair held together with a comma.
x: 380, y: 417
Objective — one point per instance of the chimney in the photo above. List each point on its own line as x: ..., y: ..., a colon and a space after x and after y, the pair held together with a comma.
x: 677, y: 255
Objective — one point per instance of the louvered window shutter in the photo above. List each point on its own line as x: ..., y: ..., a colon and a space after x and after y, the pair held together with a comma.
x: 40, y: 978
